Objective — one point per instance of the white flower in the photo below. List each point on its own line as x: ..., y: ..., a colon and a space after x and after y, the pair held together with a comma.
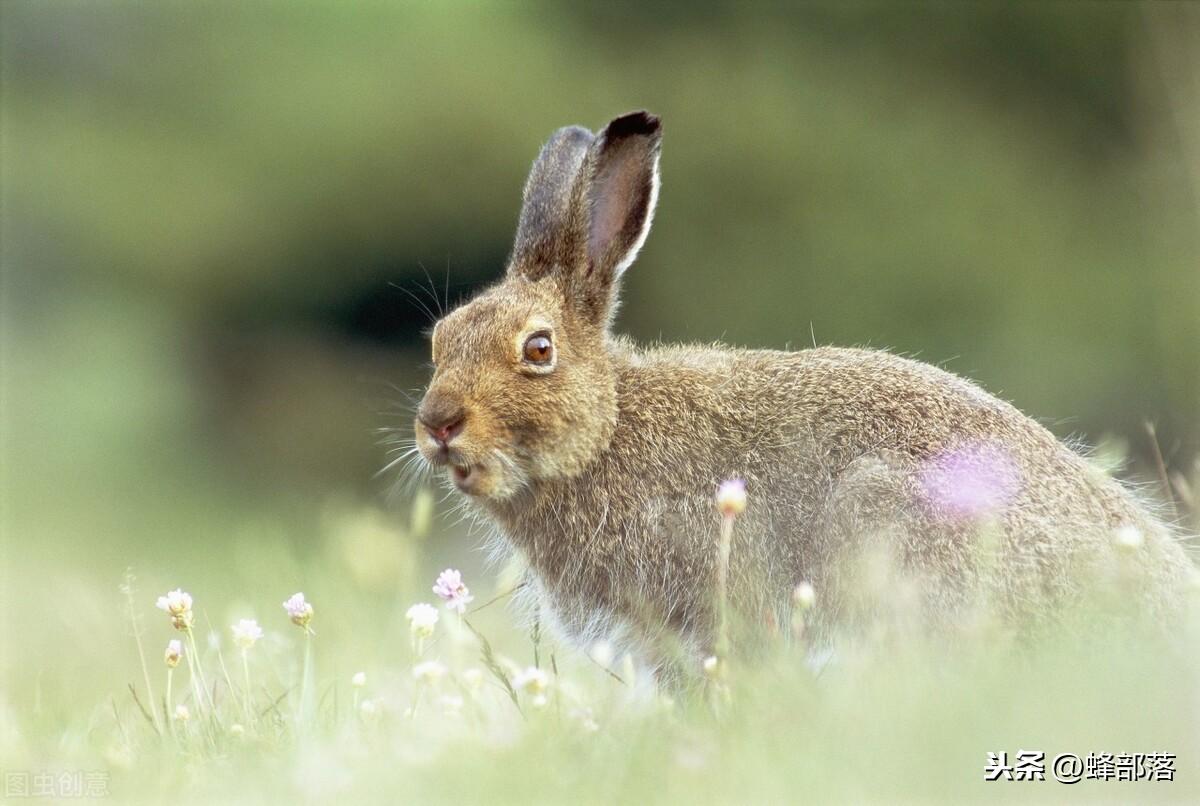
x: 429, y: 672
x: 369, y: 709
x: 804, y: 597
x: 422, y: 618
x: 359, y: 680
x: 246, y: 632
x: 173, y: 653
x: 711, y: 666
x: 449, y: 586
x: 533, y: 680
x: 473, y: 679
x: 1129, y: 538
x: 300, y: 611
x: 175, y: 602
x: 178, y: 606
x: 731, y: 498
x: 182, y: 713
x: 236, y: 730
x: 602, y: 653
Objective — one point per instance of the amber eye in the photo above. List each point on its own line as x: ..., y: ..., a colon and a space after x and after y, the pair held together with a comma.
x: 538, y: 349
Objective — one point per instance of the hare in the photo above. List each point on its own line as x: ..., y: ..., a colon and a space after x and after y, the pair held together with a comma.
x: 598, y: 459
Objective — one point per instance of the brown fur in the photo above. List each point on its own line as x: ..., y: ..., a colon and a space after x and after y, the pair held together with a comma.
x: 601, y: 471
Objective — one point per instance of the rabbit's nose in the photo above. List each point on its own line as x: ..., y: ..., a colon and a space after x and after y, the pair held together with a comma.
x: 443, y: 422
x: 442, y: 434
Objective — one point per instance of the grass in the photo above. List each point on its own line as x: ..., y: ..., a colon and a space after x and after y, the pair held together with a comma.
x: 363, y: 702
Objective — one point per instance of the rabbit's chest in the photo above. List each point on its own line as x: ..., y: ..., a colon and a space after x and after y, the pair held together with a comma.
x: 623, y: 573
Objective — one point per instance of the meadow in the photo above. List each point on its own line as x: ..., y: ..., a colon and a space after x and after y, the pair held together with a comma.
x: 436, y: 692
x: 214, y: 219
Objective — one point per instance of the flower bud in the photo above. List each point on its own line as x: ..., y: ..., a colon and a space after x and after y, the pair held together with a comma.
x: 731, y: 498
x: 173, y: 653
x: 803, y: 596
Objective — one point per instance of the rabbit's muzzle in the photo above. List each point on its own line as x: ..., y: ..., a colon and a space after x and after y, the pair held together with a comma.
x: 440, y: 424
x: 435, y: 443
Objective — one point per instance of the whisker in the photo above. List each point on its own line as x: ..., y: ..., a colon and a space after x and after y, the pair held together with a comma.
x: 408, y: 453
x: 412, y: 473
x: 432, y: 290
x: 420, y: 302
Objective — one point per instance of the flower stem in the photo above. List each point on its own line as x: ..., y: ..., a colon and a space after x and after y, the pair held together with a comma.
x: 246, y: 672
x: 412, y: 712
x: 303, y: 711
x: 137, y: 637
x: 169, y: 706
x: 198, y: 681
x: 196, y: 688
x: 722, y: 645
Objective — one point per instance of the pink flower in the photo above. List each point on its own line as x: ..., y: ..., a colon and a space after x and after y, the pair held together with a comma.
x: 970, y: 481
x: 450, y: 587
x: 300, y: 611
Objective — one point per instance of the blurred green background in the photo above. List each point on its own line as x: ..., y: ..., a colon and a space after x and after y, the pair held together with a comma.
x: 207, y: 210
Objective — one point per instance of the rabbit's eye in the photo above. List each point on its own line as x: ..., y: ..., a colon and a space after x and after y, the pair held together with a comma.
x: 538, y: 349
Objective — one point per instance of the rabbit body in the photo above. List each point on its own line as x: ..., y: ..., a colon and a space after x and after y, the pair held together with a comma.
x: 835, y: 446
x: 598, y: 460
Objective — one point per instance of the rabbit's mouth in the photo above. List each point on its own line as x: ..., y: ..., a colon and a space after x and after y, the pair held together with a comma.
x: 464, y: 474
x: 464, y: 477
x: 474, y: 471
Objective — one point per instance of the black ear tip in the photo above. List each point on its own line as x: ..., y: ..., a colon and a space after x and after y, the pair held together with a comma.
x: 640, y: 122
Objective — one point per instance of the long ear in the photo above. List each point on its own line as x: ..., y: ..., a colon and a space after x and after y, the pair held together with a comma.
x: 547, y: 231
x: 618, y: 191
